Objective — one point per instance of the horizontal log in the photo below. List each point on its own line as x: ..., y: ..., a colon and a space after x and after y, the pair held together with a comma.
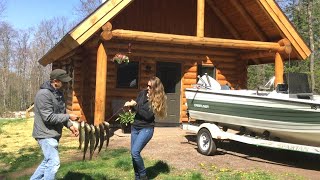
x: 218, y: 59
x: 189, y: 81
x: 191, y: 69
x: 75, y: 100
x: 197, y: 41
x: 190, y: 75
x: 228, y: 71
x: 220, y: 76
x: 226, y: 66
x: 257, y: 55
x: 69, y: 107
x: 184, y: 108
x: 161, y: 55
x: 76, y: 106
x: 163, y: 48
x: 184, y: 101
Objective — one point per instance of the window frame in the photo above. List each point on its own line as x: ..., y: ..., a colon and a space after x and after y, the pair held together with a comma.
x: 118, y: 66
x: 200, y: 70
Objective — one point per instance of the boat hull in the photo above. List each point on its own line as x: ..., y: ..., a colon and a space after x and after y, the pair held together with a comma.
x: 290, y: 121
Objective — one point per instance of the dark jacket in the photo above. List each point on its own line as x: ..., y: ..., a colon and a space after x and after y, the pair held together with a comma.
x: 144, y: 115
x: 49, y: 113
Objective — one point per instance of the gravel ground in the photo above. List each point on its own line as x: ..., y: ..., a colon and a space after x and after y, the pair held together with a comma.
x: 178, y: 148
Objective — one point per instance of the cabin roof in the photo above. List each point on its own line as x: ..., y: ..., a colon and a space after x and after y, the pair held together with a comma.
x: 258, y: 20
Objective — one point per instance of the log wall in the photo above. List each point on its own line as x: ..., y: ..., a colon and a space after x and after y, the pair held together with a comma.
x: 230, y: 70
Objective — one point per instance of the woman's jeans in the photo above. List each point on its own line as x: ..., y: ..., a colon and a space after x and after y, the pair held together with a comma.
x: 139, y: 138
x: 49, y: 166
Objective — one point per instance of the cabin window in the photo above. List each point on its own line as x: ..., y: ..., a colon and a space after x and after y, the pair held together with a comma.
x: 210, y: 70
x: 127, y: 75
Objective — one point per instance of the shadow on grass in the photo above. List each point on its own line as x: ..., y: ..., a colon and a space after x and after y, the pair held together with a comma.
x: 158, y: 168
x: 77, y: 175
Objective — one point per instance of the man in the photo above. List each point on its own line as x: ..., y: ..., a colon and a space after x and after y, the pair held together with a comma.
x: 50, y: 117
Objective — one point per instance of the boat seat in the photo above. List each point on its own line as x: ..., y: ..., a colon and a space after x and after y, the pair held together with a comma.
x: 298, y: 85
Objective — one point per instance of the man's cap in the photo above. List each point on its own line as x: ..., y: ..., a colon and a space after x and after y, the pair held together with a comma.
x: 60, y: 75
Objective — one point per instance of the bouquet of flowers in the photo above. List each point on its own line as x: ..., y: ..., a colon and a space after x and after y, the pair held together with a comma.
x: 120, y: 58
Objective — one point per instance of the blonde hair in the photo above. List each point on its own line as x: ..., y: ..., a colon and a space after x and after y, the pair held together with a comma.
x: 158, y: 98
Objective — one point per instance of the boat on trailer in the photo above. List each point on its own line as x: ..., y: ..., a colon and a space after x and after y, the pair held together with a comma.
x: 289, y: 114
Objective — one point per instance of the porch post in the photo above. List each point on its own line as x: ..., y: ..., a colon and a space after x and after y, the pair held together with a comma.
x: 200, y: 18
x: 101, y: 82
x: 278, y: 68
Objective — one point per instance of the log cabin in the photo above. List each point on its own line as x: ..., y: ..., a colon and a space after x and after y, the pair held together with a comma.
x: 175, y: 40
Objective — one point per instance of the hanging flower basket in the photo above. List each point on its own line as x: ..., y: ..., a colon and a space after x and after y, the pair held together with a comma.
x: 120, y: 58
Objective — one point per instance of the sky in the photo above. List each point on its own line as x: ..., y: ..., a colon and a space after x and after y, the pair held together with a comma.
x: 23, y: 14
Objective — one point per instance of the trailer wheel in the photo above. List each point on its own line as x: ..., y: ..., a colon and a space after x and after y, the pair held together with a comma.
x: 206, y: 145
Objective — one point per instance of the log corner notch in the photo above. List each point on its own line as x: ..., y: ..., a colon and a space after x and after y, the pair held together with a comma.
x: 285, y: 46
x: 106, y: 33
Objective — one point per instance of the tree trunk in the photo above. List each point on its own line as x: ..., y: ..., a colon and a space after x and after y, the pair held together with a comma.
x: 310, y: 23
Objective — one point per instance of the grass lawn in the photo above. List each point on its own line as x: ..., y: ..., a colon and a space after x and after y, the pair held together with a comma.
x: 20, y: 155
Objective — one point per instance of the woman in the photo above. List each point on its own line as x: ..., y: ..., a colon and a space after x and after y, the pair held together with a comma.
x: 149, y: 103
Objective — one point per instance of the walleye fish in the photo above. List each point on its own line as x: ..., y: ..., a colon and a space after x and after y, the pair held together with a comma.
x: 87, y: 131
x: 92, y: 140
x: 81, y: 134
x: 101, y: 136
x: 97, y: 135
x: 107, y: 129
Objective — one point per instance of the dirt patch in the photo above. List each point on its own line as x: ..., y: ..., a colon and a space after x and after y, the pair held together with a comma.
x: 179, y: 149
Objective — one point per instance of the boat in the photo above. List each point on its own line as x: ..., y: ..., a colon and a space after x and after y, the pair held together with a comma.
x: 286, y: 114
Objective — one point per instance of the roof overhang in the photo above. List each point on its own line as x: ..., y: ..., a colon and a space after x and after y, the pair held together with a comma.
x: 286, y: 28
x: 84, y: 30
x: 88, y: 27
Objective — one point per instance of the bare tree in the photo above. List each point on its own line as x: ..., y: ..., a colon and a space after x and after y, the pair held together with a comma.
x: 86, y: 7
x: 7, y: 37
x: 22, y: 59
x: 46, y: 35
x: 2, y: 6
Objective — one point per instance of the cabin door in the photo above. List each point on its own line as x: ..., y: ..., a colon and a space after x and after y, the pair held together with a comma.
x: 170, y: 75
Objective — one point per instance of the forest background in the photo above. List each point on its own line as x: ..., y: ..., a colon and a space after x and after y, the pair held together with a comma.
x: 20, y: 50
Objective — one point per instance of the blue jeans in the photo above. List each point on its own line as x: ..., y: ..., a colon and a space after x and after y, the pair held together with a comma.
x: 49, y: 166
x: 139, y: 138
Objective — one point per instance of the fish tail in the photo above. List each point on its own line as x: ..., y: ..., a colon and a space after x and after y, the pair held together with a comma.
x: 87, y: 130
x: 101, y: 136
x: 92, y: 140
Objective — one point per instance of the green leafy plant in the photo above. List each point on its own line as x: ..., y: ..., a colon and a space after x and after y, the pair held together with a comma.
x: 126, y: 117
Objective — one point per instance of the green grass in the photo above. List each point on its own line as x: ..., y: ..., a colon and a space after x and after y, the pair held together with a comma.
x: 111, y: 164
x: 4, y: 122
x: 28, y: 157
x: 116, y: 165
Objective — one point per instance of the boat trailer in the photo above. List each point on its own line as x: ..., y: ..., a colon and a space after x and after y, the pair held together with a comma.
x: 208, y: 134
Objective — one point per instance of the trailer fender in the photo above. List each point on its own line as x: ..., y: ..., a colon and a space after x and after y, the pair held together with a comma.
x: 216, y: 132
